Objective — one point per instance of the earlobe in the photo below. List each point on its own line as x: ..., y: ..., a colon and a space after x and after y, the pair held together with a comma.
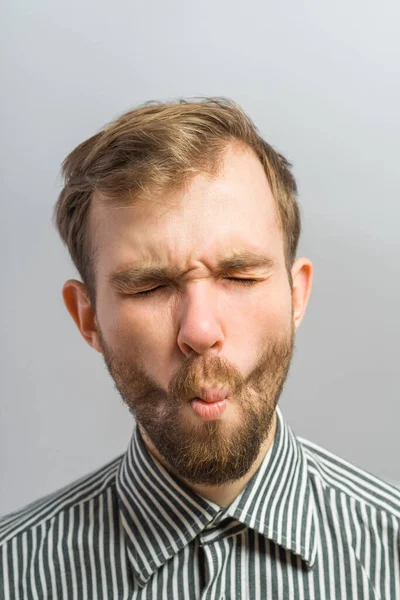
x: 79, y: 307
x: 302, y: 274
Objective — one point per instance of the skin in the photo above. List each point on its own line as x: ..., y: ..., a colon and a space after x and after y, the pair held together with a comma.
x: 201, y: 327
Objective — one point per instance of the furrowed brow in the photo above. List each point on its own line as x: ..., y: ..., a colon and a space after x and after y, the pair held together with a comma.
x: 243, y: 261
x: 136, y: 276
x: 139, y: 275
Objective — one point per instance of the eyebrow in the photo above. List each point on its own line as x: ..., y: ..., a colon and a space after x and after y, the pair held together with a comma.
x: 134, y: 276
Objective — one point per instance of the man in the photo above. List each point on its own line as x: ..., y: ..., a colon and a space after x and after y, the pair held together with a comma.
x: 183, y: 223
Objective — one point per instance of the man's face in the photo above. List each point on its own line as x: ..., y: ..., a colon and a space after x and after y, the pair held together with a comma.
x: 201, y: 327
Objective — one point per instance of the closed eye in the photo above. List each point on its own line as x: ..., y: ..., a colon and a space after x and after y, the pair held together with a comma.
x: 241, y: 281
x: 148, y: 292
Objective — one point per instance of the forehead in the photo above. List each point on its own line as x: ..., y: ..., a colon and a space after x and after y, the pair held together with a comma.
x: 231, y: 211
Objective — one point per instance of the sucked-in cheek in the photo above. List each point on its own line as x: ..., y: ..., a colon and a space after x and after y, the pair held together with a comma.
x: 270, y: 321
x: 120, y: 328
x: 136, y: 337
x: 276, y: 319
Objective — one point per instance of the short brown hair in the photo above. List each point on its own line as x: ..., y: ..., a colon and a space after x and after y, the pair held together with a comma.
x: 155, y: 148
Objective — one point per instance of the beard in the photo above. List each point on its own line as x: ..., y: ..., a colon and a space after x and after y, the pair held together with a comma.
x: 206, y: 452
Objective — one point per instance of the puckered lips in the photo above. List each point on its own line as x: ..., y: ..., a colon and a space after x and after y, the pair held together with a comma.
x: 211, y: 403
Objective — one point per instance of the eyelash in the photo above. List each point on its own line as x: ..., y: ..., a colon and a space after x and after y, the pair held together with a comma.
x: 244, y: 282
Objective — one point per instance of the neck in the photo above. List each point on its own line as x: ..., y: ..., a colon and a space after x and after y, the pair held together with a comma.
x: 225, y: 494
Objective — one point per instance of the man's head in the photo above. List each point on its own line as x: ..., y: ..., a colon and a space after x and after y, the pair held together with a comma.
x: 184, y: 226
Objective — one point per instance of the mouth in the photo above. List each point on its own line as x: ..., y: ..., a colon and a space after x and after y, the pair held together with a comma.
x: 211, y: 403
x: 212, y: 394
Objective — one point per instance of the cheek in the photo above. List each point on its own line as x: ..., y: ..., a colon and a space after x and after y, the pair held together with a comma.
x: 130, y: 331
x: 272, y: 316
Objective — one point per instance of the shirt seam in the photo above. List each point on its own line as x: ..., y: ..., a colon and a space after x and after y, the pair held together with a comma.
x: 314, y: 471
x: 11, y: 536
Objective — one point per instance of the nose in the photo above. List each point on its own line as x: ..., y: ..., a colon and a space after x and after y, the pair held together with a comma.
x: 200, y: 327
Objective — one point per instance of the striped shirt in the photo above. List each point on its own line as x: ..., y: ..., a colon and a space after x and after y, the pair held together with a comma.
x: 308, y: 525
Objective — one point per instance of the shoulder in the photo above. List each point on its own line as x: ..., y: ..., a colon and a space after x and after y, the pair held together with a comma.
x: 337, y: 477
x: 53, y: 506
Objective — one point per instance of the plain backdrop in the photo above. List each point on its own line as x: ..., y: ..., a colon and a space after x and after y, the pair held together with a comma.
x: 321, y: 81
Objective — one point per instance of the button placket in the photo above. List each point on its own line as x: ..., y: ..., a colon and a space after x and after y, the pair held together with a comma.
x: 210, y: 556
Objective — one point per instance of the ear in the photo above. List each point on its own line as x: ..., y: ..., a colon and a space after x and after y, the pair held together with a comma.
x: 302, y: 274
x: 79, y: 307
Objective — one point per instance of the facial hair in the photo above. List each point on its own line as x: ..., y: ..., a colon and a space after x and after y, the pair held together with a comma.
x: 205, y: 452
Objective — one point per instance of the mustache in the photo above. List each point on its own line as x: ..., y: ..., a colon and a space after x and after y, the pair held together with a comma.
x: 205, y: 372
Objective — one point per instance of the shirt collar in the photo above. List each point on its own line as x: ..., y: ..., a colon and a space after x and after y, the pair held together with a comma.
x: 160, y: 515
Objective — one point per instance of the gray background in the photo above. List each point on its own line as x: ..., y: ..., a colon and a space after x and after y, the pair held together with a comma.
x: 321, y: 80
